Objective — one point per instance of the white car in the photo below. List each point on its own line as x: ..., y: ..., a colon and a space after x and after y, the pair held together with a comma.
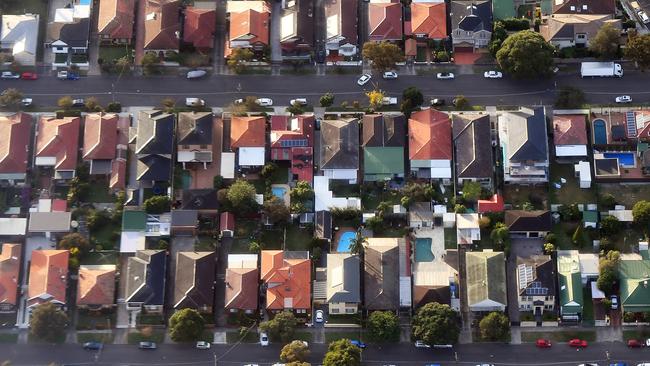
x: 319, y: 316
x: 26, y: 102
x: 264, y: 339
x: 9, y: 75
x: 196, y: 74
x: 202, y: 345
x: 389, y: 101
x: 623, y: 99
x: 390, y: 75
x: 493, y: 74
x: 78, y: 102
x: 421, y: 344
x: 194, y: 102
x: 445, y: 76
x: 251, y: 364
x: 644, y: 17
x: 63, y: 74
x: 239, y: 101
x: 299, y: 101
x: 264, y: 102
x: 365, y: 78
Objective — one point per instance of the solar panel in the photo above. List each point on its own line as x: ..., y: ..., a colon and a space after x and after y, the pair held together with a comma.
x: 293, y: 143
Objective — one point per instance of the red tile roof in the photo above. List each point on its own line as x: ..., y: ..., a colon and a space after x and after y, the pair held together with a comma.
x: 200, y: 25
x: 291, y: 279
x: 247, y: 132
x: 96, y: 285
x: 643, y: 125
x: 116, y: 18
x: 48, y: 276
x: 241, y: 288
x: 569, y: 130
x: 429, y: 135
x: 10, y: 260
x: 100, y: 136
x: 15, y: 131
x: 494, y: 204
x: 250, y: 25
x: 284, y: 128
x: 118, y: 174
x: 227, y: 221
x: 59, y: 205
x: 161, y: 24
x: 385, y: 21
x: 59, y: 138
x: 429, y: 19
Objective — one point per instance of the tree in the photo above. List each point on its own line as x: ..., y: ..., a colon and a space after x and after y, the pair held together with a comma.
x: 241, y: 196
x: 471, y: 191
x: 96, y: 219
x: 186, y: 325
x: 383, y: 55
x: 608, y: 268
x: 570, y: 97
x: 637, y: 49
x: 342, y: 353
x: 282, y: 326
x: 120, y: 199
x: 300, y: 194
x: 500, y: 235
x: 641, y: 214
x: 75, y: 240
x: 150, y: 62
x: 297, y: 363
x: 577, y: 235
x: 549, y: 248
x: 254, y: 247
x: 168, y: 104
x: 610, y: 226
x: 48, y: 322
x: 276, y: 210
x: 375, y: 99
x: 526, y: 54
x: 462, y: 103
x: 569, y: 212
x: 326, y: 100
x: 460, y: 209
x: 606, y: 41
x: 527, y: 206
x: 383, y: 326
x: 157, y: 204
x: 268, y: 169
x: 238, y: 58
x: 356, y: 245
x: 10, y: 97
x: 296, y: 351
x: 495, y: 327
x: 295, y: 109
x: 217, y: 182
x: 418, y: 192
x: 65, y: 102
x: 412, y: 99
x: 436, y: 323
x: 499, y: 34
x: 123, y: 63
x: 608, y: 200
x: 92, y: 105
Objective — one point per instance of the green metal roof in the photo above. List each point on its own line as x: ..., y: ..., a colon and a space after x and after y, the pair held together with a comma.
x: 570, y: 282
x: 134, y: 220
x: 503, y: 9
x: 590, y: 216
x: 382, y: 162
x: 635, y: 285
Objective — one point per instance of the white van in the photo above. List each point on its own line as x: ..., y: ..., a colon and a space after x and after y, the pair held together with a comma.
x: 196, y: 74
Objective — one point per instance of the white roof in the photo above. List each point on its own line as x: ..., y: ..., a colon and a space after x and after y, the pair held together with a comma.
x: 132, y: 241
x: 404, y: 291
x: 621, y: 215
x: 588, y: 264
x: 64, y: 15
x: 242, y: 260
x: 251, y: 156
x: 13, y: 226
x: 467, y: 221
x: 570, y: 150
x: 288, y: 25
x: 439, y: 209
x: 324, y: 198
x: 81, y: 11
x: 44, y: 205
x: 240, y: 6
x: 22, y: 31
x: 228, y: 165
x: 259, y: 198
x: 583, y: 169
x: 595, y: 292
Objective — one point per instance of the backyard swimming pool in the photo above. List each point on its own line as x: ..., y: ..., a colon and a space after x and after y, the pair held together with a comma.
x: 279, y: 192
x: 625, y: 159
x: 600, y: 132
x: 345, y: 241
x: 423, y: 250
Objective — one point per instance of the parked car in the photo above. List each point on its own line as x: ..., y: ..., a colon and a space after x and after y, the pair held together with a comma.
x: 389, y: 101
x: 202, y: 345
x: 9, y: 75
x: 78, y: 102
x: 493, y: 74
x: 196, y: 74
x: 147, y: 345
x: 445, y: 76
x: 614, y: 300
x: 194, y: 102
x: 580, y: 343
x: 94, y: 346
x: 264, y: 339
x: 29, y: 76
x: 299, y: 101
x: 421, y: 344
x: 543, y: 343
x: 437, y: 102
x: 358, y: 343
x: 64, y: 75
x: 643, y: 16
x: 623, y: 99
x: 364, y: 79
x: 319, y: 316
x: 618, y: 364
x: 264, y: 102
x: 251, y: 364
x: 647, y: 342
x: 390, y: 75
x: 633, y: 343
x: 26, y: 102
x: 239, y: 101
x: 588, y: 364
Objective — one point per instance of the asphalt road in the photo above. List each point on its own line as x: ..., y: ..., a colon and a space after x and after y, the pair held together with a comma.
x: 403, y: 354
x: 222, y: 90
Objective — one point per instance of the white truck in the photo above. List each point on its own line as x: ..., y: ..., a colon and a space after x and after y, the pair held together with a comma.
x: 601, y: 69
x: 389, y: 101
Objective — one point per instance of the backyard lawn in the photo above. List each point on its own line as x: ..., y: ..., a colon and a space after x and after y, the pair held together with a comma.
x: 245, y: 231
x: 109, y: 54
x: 98, y: 258
x: 450, y: 238
x: 107, y: 235
x: 625, y: 194
x: 204, y: 244
x: 588, y: 307
x: 518, y: 195
x: 344, y: 189
x: 564, y: 234
x: 296, y: 238
x: 375, y: 195
x: 91, y: 321
x: 98, y: 192
x: 570, y: 192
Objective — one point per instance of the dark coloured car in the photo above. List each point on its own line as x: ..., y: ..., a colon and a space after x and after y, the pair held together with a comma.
x: 94, y: 346
x: 358, y: 343
x: 147, y: 345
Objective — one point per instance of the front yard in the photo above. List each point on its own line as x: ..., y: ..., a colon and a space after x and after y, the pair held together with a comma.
x: 564, y: 336
x: 87, y: 320
x: 146, y: 334
x: 106, y: 338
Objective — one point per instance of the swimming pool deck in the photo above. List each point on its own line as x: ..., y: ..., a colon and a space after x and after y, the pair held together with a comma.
x: 337, y: 236
x: 436, y: 272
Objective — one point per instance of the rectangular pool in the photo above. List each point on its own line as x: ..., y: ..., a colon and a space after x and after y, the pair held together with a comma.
x: 279, y: 192
x: 625, y: 159
x: 423, y: 250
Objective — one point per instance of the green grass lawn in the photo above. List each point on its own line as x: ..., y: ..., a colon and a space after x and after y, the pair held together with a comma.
x: 98, y: 192
x: 564, y: 336
x: 570, y: 191
x: 639, y: 333
x: 587, y: 307
x: 8, y: 337
x: 564, y: 236
x: 352, y: 335
x: 280, y: 175
x: 626, y: 195
x: 106, y: 338
x: 151, y: 319
x: 111, y: 53
x: 374, y: 195
x: 272, y: 238
x: 107, y: 235
x: 303, y: 336
x: 245, y: 231
x: 91, y: 321
x: 518, y: 195
x: 298, y: 239
x: 344, y: 189
x: 157, y: 336
x: 250, y: 337
x: 450, y: 238
x: 204, y: 244
x: 344, y: 319
x: 98, y: 258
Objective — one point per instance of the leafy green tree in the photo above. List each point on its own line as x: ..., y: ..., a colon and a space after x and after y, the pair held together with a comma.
x: 637, y: 49
x: 302, y: 192
x: 296, y: 351
x: 460, y: 209
x: 282, y: 326
x: 495, y: 327
x: 120, y: 200
x: 168, y: 104
x: 276, y: 210
x: 606, y: 41
x: 577, y: 235
x: 527, y: 206
x: 65, y: 102
x: 342, y: 353
x: 412, y: 99
x: 186, y: 325
x: 295, y: 109
x: 418, y: 192
x: 383, y: 326
x: 500, y: 235
x: 608, y: 268
x: 356, y: 245
x: 297, y: 363
x: 48, y: 322
x: 610, y: 226
x: 150, y: 62
x: 641, y: 214
x: 471, y: 191
x: 570, y: 97
x: 217, y: 182
x: 436, y: 323
x: 96, y: 219
x: 75, y: 240
x: 241, y: 196
x: 499, y: 34
x: 157, y: 204
x: 10, y: 97
x: 268, y: 170
x: 462, y: 103
x: 608, y: 200
x: 383, y: 55
x: 254, y: 247
x: 92, y: 104
x: 326, y: 100
x: 549, y: 248
x: 569, y: 212
x: 526, y: 54
x: 238, y: 58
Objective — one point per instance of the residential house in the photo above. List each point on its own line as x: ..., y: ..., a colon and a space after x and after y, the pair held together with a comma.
x: 137, y: 225
x: 154, y: 140
x: 575, y: 30
x: 494, y: 204
x: 383, y: 146
x: 200, y: 26
x: 242, y: 283
x: 486, y: 281
x: 145, y: 280
x: 420, y: 215
x: 536, y: 284
x: 342, y: 29
x: 68, y: 36
x: 194, y: 281
x: 633, y: 284
x: 202, y: 200
x: 19, y: 37
x: 116, y: 21
x: 435, y: 270
x: 430, y: 151
x: 323, y: 225
x: 428, y: 22
x: 570, y: 137
x: 249, y: 25
x: 287, y: 278
x: 467, y: 228
x: 14, y: 148
x: 385, y: 21
x: 297, y: 29
x: 13, y: 228
x: 48, y: 277
x: 248, y: 139
x: 162, y: 25
x: 471, y: 24
x: 524, y: 145
x: 292, y: 139
x: 339, y: 149
x: 103, y: 150
x: 381, y: 274
x: 584, y: 7
x: 50, y: 220
x: 194, y: 134
x: 96, y: 286
x: 530, y: 224
x: 570, y: 285
x: 227, y: 224
x: 343, y: 283
x: 57, y: 142
x: 184, y: 222
x: 10, y: 262
x: 473, y: 149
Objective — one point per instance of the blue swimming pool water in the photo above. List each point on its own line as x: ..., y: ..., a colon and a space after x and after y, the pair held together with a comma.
x: 600, y: 132
x: 345, y: 241
x: 279, y: 192
x: 624, y: 158
x: 423, y: 250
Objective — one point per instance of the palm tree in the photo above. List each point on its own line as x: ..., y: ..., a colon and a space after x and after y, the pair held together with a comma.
x: 356, y: 246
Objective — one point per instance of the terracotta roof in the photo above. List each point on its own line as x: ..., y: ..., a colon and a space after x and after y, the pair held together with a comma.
x: 116, y: 18
x: 569, y: 130
x: 48, y: 276
x: 429, y: 135
x: 100, y: 136
x: 289, y: 273
x: 118, y: 174
x: 199, y: 28
x: 241, y: 288
x: 494, y: 204
x: 10, y: 260
x: 429, y: 19
x: 385, y: 21
x: 584, y: 7
x: 411, y: 47
x: 250, y: 25
x: 15, y: 130
x: 59, y: 138
x: 161, y: 24
x: 226, y: 221
x: 247, y: 132
x: 96, y: 285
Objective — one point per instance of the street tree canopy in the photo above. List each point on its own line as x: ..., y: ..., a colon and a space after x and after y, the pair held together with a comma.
x: 641, y: 214
x: 637, y: 49
x: 606, y: 41
x: 296, y: 351
x: 186, y: 325
x: 384, y: 55
x: 282, y: 326
x: 48, y: 322
x: 342, y: 353
x: 383, y: 326
x: 375, y: 99
x: 436, y: 323
x: 608, y: 268
x: 10, y: 97
x: 495, y: 327
x: 526, y: 54
x: 276, y: 211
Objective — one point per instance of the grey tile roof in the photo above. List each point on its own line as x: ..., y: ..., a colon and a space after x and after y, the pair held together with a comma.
x: 195, y: 128
x: 155, y: 133
x: 381, y: 278
x: 183, y: 218
x: 381, y: 130
x: 520, y: 220
x: 194, y: 280
x: 473, y: 145
x: 471, y: 16
x: 145, y: 277
x: 486, y: 277
x: 526, y: 139
x: 154, y: 168
x: 343, y: 282
x: 340, y: 144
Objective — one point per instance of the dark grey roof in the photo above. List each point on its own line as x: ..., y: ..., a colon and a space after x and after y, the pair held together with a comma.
x: 520, y: 220
x: 526, y: 139
x: 381, y: 277
x: 155, y: 133
x: 200, y: 199
x: 194, y: 280
x: 339, y: 144
x: 383, y: 130
x: 423, y: 295
x: 323, y: 229
x: 154, y: 168
x: 73, y: 34
x: 195, y: 128
x: 472, y: 145
x: 343, y: 282
x: 471, y: 16
x: 145, y: 277
x: 184, y: 218
x: 543, y: 275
